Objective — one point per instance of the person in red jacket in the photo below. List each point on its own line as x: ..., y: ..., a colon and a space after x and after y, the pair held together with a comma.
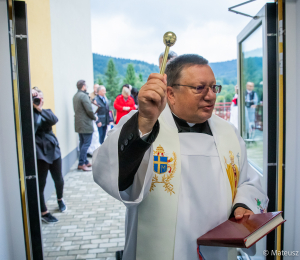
x: 124, y: 104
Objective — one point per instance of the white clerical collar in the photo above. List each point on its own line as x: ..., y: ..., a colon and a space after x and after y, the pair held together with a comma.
x: 190, y: 124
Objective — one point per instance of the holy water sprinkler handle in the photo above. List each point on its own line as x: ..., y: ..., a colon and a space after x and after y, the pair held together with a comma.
x: 169, y: 40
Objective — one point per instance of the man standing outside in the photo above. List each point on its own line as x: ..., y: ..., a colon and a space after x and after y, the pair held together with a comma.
x: 251, y: 101
x: 103, y: 113
x: 84, y: 117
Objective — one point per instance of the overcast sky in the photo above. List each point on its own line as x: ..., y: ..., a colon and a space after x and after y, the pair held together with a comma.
x: 134, y: 29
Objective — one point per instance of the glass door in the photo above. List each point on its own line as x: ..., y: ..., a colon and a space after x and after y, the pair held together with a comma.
x: 257, y: 79
x: 251, y: 86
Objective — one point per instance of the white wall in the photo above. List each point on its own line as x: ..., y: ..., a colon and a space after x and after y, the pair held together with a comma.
x: 292, y: 185
x: 12, y: 245
x: 72, y: 61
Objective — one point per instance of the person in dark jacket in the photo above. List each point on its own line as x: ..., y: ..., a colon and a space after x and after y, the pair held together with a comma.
x: 84, y: 117
x: 48, y: 154
x: 103, y: 113
x: 134, y: 95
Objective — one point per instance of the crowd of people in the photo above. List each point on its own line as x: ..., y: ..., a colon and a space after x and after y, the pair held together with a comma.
x: 91, y: 124
x: 93, y: 118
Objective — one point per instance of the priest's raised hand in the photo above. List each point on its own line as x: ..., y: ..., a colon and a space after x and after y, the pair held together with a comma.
x: 152, y: 101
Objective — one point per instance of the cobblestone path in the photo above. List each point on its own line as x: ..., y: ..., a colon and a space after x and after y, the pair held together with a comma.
x: 91, y: 228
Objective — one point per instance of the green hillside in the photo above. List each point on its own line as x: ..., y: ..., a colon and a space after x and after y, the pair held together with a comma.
x: 141, y: 67
x: 225, y: 72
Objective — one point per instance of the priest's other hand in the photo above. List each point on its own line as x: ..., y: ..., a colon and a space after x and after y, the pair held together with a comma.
x: 240, y: 212
x: 152, y: 101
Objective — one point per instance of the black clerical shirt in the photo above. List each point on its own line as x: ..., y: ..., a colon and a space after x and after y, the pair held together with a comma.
x: 183, y: 127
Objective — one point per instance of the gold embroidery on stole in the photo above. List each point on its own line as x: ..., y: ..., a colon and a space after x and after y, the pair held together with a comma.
x: 233, y: 174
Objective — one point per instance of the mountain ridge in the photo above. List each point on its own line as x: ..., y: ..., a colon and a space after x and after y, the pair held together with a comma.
x: 225, y: 71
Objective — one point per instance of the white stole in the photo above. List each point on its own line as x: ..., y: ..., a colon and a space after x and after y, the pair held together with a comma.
x: 157, y: 214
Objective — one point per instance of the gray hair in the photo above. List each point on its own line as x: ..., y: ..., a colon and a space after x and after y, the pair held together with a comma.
x: 99, y: 88
x: 171, y: 55
x: 175, y: 66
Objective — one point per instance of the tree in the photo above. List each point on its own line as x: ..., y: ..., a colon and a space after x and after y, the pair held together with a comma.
x: 141, y: 77
x: 130, y: 77
x: 112, y: 80
x: 99, y: 81
x: 220, y: 99
x: 229, y: 97
x: 139, y: 81
x: 139, y: 84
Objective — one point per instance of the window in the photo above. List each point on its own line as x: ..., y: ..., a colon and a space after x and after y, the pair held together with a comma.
x: 252, y: 96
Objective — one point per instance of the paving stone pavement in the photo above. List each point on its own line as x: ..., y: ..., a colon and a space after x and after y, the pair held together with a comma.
x: 93, y: 227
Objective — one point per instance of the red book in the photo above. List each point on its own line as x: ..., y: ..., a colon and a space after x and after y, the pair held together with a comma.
x: 242, y: 233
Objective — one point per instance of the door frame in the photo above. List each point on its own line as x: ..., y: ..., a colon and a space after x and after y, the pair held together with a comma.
x: 267, y: 18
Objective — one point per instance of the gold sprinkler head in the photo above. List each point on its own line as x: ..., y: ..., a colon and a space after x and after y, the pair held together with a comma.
x: 169, y: 39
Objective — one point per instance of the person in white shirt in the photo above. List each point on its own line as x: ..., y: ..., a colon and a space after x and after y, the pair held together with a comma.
x: 251, y: 101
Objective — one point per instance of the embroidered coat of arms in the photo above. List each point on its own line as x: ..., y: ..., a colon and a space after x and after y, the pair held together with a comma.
x: 164, y: 168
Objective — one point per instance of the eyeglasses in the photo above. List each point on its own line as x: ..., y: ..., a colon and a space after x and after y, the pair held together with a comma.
x: 200, y: 88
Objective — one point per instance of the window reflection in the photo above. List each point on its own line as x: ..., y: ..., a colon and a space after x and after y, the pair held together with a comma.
x: 252, y: 97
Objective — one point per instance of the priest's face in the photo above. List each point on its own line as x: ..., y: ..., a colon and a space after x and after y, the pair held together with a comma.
x: 185, y: 102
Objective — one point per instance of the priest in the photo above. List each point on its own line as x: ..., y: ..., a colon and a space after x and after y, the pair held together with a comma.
x: 165, y: 162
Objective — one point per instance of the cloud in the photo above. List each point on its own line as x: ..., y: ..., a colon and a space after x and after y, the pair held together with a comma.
x: 134, y: 29
x: 117, y: 36
x: 216, y: 41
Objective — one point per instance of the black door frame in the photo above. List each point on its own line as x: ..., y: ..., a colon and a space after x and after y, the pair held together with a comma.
x: 27, y: 126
